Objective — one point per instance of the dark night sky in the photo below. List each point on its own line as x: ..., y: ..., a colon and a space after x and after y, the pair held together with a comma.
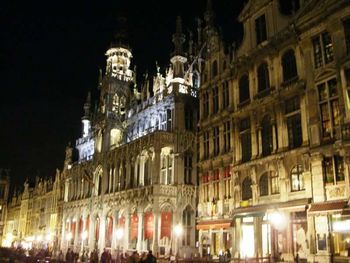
x: 50, y: 53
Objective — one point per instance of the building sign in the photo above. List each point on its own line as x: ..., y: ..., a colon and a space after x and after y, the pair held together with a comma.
x: 148, y: 225
x: 133, y: 227
x: 166, y: 220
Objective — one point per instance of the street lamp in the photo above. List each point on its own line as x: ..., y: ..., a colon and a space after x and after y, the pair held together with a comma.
x: 178, y: 230
x: 278, y: 220
x: 119, y: 235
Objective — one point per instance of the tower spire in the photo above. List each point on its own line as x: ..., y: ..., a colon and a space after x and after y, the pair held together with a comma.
x: 87, y: 106
x: 178, y: 37
x: 209, y: 14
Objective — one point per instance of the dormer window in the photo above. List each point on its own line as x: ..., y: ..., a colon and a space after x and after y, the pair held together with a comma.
x: 260, y: 29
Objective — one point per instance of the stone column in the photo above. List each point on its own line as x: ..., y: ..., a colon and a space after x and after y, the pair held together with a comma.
x: 126, y: 231
x: 274, y: 136
x: 156, y: 215
x: 156, y: 166
x: 317, y: 178
x: 140, y: 230
x: 259, y: 140
x: 254, y: 139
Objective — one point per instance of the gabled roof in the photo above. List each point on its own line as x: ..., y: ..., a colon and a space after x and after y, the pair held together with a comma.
x: 251, y: 8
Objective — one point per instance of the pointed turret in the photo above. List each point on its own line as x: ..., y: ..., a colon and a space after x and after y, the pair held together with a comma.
x: 178, y: 38
x: 209, y: 14
x: 86, y: 118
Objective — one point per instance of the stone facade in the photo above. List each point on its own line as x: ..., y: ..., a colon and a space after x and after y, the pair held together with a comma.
x: 274, y: 135
x: 34, y: 214
x: 4, y: 192
x: 135, y: 179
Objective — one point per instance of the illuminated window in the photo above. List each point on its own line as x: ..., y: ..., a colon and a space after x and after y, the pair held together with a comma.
x: 216, y: 141
x: 323, y: 49
x: 333, y: 169
x: 263, y: 79
x: 266, y: 135
x: 329, y: 107
x: 225, y: 95
x: 264, y: 184
x: 227, y: 136
x: 244, y: 89
x: 289, y: 66
x: 293, y: 117
x: 205, y: 187
x: 246, y: 144
x: 166, y: 169
x: 247, y: 189
x: 297, y: 178
x: 260, y: 29
x: 215, y: 100
x: 227, y: 182
x: 216, y: 185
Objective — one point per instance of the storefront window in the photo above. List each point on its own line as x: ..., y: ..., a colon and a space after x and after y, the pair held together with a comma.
x: 341, y: 236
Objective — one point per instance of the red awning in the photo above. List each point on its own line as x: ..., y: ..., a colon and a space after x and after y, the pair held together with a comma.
x: 214, y: 224
x: 325, y: 207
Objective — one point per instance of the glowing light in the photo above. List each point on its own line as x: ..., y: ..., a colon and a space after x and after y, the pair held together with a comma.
x: 48, y: 237
x: 119, y: 233
x: 178, y: 229
x: 247, y: 244
x: 278, y: 220
x: 69, y: 236
x: 39, y: 238
x: 340, y: 226
x: 84, y: 235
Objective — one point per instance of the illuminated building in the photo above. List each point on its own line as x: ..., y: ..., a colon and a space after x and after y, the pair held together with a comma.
x: 34, y: 214
x: 274, y: 134
x: 135, y: 178
x: 4, y: 191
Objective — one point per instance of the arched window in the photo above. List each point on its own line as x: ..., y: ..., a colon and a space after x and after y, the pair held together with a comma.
x: 244, y: 89
x: 247, y: 189
x: 266, y: 136
x: 215, y: 68
x: 264, y: 184
x: 297, y: 178
x: 263, y: 78
x: 289, y: 66
x: 187, y: 222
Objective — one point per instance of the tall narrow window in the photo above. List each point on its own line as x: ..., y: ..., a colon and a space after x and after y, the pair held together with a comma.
x: 289, y: 66
x: 216, y: 141
x: 227, y: 136
x: 346, y: 25
x: 188, y: 118
x: 225, y: 95
x: 323, y: 49
x: 263, y: 78
x: 247, y: 189
x: 187, y: 216
x: 244, y: 89
x: 329, y: 107
x: 246, y: 144
x: 347, y: 79
x: 297, y: 178
x: 188, y: 168
x: 205, y: 187
x: 333, y: 169
x: 216, y: 185
x: 260, y: 29
x: 168, y: 120
x: 264, y: 185
x: 227, y: 182
x: 275, y: 183
x: 266, y: 136
x: 205, y: 104
x: 292, y: 110
x: 215, y: 100
x: 206, y: 144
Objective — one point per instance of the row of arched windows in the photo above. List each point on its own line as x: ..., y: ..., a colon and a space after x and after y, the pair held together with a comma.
x: 269, y: 183
x: 289, y: 70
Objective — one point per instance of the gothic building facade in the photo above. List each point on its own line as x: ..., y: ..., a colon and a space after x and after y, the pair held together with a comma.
x: 274, y: 134
x: 4, y: 192
x: 135, y: 180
